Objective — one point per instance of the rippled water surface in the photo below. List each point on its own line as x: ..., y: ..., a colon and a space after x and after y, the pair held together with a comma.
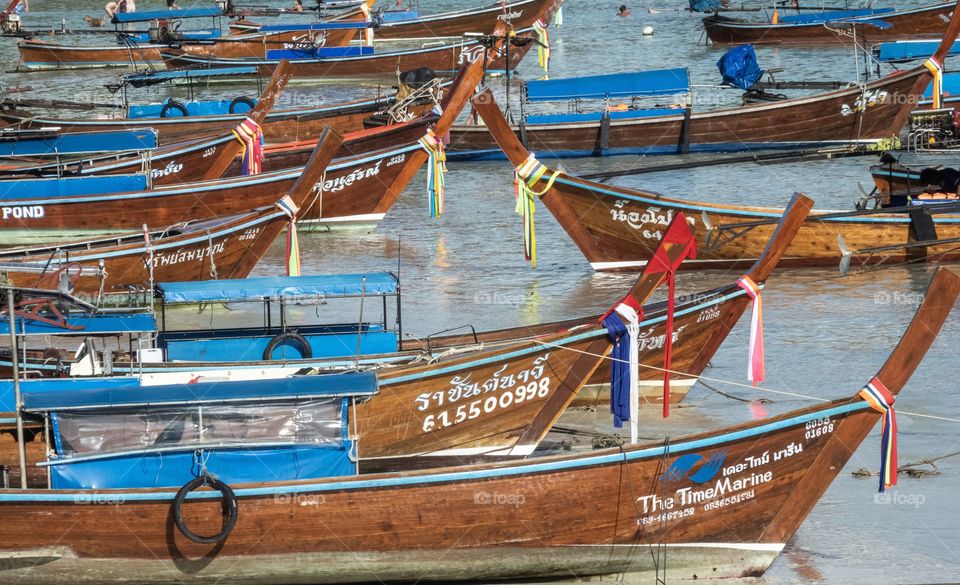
x: 825, y: 335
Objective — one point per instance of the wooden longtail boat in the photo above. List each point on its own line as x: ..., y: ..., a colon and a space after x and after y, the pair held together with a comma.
x: 228, y: 247
x: 721, y: 503
x: 357, y: 189
x: 828, y: 28
x: 442, y: 59
x: 617, y: 228
x: 456, y: 23
x: 852, y: 115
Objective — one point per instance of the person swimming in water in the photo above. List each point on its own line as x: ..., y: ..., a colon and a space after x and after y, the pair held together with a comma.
x: 624, y: 11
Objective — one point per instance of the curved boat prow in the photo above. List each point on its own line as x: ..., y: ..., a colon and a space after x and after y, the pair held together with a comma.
x: 486, y: 105
x: 949, y: 37
x: 937, y: 303
x: 793, y: 218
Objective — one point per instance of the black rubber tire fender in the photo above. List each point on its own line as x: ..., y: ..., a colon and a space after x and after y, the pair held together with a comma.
x: 171, y: 106
x: 229, y: 507
x: 301, y: 343
x: 241, y: 100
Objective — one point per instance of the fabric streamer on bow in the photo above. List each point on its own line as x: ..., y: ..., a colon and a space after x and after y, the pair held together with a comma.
x: 436, y: 167
x: 936, y: 69
x: 558, y: 17
x: 679, y: 234
x: 290, y: 208
x: 756, y: 370
x: 250, y: 136
x: 625, y: 366
x: 526, y: 176
x: 876, y: 394
x: 543, y: 45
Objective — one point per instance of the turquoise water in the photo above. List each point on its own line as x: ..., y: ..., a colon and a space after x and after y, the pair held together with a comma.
x: 825, y: 335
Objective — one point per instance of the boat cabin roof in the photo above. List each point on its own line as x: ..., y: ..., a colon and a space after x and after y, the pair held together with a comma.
x: 146, y: 15
x: 85, y: 325
x: 334, y: 25
x: 640, y: 83
x: 298, y: 288
x: 19, y: 143
x: 144, y: 79
x: 93, y: 394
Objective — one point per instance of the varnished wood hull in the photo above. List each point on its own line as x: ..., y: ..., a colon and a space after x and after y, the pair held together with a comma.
x: 719, y: 504
x: 523, y: 15
x: 905, y: 24
x: 825, y: 119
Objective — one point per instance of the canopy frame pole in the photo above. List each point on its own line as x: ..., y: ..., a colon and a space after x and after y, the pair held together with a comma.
x: 363, y: 296
x: 17, y: 397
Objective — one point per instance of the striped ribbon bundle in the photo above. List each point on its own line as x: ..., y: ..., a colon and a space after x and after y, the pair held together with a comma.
x: 436, y: 167
x: 287, y: 206
x: 250, y: 136
x: 756, y: 370
x: 525, y: 179
x: 543, y: 45
x: 625, y: 366
x: 936, y: 69
x: 881, y: 399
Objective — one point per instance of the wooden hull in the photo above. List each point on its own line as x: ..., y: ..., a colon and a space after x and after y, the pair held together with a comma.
x: 824, y: 119
x: 44, y: 55
x: 443, y: 59
x: 906, y: 24
x: 523, y: 15
x: 888, y: 178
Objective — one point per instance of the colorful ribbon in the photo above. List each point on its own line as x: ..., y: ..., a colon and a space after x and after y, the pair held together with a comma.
x: 881, y: 400
x: 677, y: 233
x: 290, y: 208
x: 543, y: 45
x: 936, y: 69
x: 624, y: 332
x: 250, y: 136
x: 756, y: 371
x: 558, y: 17
x: 526, y: 176
x: 436, y: 167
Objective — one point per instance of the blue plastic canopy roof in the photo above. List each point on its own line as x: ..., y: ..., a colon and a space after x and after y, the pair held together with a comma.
x: 276, y: 287
x: 951, y: 86
x: 146, y: 15
x: 833, y: 15
x: 640, y: 83
x: 77, y: 142
x: 99, y: 324
x: 51, y: 187
x: 343, y: 25
x: 158, y: 76
x: 704, y: 5
x: 739, y: 67
x: 910, y: 50
x: 40, y: 398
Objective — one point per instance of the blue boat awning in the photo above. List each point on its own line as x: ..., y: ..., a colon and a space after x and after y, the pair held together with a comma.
x: 38, y: 144
x: 144, y: 16
x: 640, y: 83
x: 280, y: 287
x: 834, y: 15
x: 344, y: 25
x: 38, y: 397
x: 159, y: 76
x: 99, y: 324
x: 893, y: 52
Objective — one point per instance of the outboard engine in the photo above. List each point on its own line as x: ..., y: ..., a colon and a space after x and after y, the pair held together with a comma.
x: 11, y: 23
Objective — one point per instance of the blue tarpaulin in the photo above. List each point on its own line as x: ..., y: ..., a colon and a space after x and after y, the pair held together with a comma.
x: 910, y: 50
x: 33, y: 189
x: 30, y: 144
x: 103, y: 393
x: 704, y: 5
x: 319, y: 53
x: 88, y: 325
x: 640, y: 83
x: 833, y: 15
x: 739, y: 67
x: 276, y: 287
x: 158, y: 76
x: 314, y: 26
x: 145, y: 15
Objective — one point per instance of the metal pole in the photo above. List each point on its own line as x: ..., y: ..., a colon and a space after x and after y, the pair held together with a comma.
x: 18, y: 403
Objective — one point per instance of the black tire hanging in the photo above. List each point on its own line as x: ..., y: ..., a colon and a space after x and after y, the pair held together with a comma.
x: 173, y: 106
x: 299, y: 342
x: 229, y: 508
x: 241, y: 100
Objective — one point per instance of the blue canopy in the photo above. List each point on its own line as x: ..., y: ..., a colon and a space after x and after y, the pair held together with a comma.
x: 704, y: 5
x: 319, y: 53
x: 951, y: 86
x: 38, y: 397
x: 277, y: 287
x: 98, y: 324
x: 144, y: 16
x: 38, y: 188
x: 833, y: 15
x: 640, y: 83
x: 910, y: 50
x: 159, y: 76
x: 356, y: 25
x: 739, y: 67
x: 40, y: 144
